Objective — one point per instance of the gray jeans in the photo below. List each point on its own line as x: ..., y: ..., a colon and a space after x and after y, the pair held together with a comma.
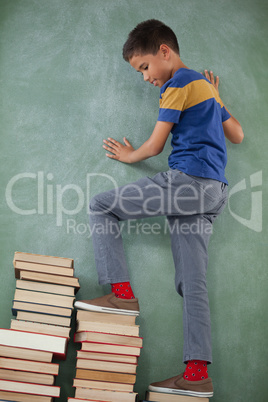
x: 191, y: 204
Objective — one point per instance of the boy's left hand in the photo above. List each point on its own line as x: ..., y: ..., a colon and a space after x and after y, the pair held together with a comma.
x: 231, y: 127
x: 118, y: 151
x: 210, y: 77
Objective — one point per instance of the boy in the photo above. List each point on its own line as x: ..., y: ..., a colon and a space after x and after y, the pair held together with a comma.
x: 191, y: 194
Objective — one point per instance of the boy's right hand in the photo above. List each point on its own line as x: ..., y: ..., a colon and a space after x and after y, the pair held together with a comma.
x: 118, y: 151
x: 151, y: 147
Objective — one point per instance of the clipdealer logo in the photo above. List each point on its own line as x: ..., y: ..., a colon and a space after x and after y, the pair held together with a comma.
x: 51, y: 198
x: 255, y: 221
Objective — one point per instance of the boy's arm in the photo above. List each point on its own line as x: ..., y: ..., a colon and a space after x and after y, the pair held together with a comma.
x: 153, y: 146
x: 233, y: 130
x: 231, y: 127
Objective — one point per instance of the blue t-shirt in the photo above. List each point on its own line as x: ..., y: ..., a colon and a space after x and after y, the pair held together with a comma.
x: 192, y: 103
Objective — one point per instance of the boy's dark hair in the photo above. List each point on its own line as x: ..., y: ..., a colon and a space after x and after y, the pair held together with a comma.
x: 147, y: 38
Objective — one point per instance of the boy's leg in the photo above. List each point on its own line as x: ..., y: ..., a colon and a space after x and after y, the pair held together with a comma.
x: 143, y: 198
x: 106, y: 211
x: 190, y: 238
x: 189, y: 241
x: 168, y: 193
x: 107, y: 241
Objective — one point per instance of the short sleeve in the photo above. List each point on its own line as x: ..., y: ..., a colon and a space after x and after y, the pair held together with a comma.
x: 171, y: 104
x: 225, y: 115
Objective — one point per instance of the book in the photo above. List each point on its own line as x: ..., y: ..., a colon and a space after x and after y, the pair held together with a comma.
x: 99, y: 337
x: 108, y: 376
x: 44, y: 318
x: 55, y: 344
x: 112, y: 386
x: 109, y: 328
x: 25, y: 354
x: 107, y: 357
x: 24, y: 376
x: 47, y: 278
x: 40, y: 308
x: 48, y: 269
x: 163, y: 397
x: 40, y: 328
x: 29, y: 388
x: 105, y: 395
x: 28, y: 365
x: 108, y: 348
x: 45, y: 287
x: 81, y: 400
x: 18, y: 397
x: 43, y: 259
x: 83, y: 315
x: 43, y: 298
x: 106, y: 366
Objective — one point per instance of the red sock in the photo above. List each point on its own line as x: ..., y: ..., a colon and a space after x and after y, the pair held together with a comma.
x: 122, y: 290
x: 196, y: 370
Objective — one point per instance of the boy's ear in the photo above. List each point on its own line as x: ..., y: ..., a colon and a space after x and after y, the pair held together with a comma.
x: 165, y: 51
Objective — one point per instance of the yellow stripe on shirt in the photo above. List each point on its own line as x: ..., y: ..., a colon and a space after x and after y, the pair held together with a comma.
x: 191, y: 95
x: 173, y: 98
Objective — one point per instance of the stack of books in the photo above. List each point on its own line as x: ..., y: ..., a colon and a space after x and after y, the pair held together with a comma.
x: 107, y: 361
x: 43, y: 305
x: 162, y: 397
x: 45, y: 294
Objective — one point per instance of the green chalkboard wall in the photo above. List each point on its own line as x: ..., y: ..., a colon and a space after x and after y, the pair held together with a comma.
x: 63, y: 88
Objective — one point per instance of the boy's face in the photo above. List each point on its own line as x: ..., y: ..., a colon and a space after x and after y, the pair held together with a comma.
x: 155, y: 68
